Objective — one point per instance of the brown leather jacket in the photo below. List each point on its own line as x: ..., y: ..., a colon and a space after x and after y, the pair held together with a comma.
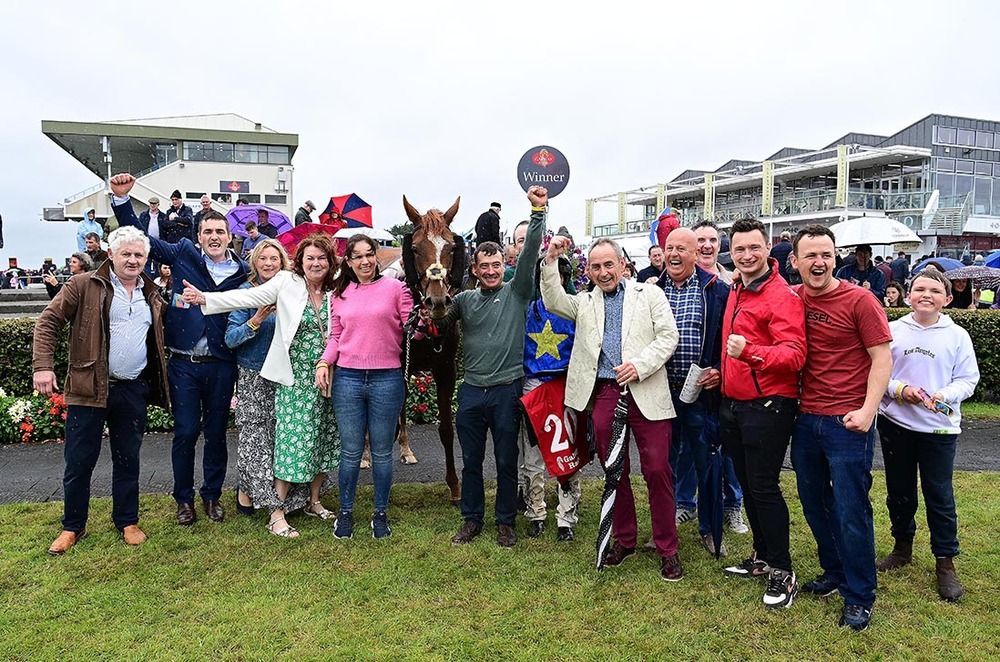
x: 85, y: 303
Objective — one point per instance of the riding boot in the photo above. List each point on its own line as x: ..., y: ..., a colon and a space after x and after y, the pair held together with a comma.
x: 901, y: 554
x: 948, y: 586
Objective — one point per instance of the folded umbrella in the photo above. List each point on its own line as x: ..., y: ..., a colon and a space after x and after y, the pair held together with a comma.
x: 613, y: 468
x: 711, y: 489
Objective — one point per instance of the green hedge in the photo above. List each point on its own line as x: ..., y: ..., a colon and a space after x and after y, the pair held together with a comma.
x: 984, y: 329
x: 15, y: 356
x: 982, y: 325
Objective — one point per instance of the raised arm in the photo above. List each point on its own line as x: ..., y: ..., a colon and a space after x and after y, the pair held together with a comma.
x: 524, y: 273
x: 121, y: 184
x: 554, y: 297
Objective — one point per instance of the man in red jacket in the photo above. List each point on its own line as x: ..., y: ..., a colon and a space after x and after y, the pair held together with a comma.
x: 764, y: 333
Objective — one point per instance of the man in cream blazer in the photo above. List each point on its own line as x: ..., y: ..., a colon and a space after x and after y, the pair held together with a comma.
x: 625, y: 333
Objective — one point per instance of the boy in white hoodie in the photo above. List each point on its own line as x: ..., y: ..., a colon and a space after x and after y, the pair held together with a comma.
x: 933, y: 370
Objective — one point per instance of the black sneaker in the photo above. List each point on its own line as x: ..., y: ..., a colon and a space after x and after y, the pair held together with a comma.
x: 535, y: 528
x: 822, y: 587
x: 564, y: 534
x: 750, y: 568
x: 343, y: 526
x: 856, y: 617
x: 380, y: 525
x: 781, y: 589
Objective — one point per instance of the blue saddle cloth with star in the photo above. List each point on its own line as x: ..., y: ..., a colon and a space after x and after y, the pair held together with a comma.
x: 548, y: 342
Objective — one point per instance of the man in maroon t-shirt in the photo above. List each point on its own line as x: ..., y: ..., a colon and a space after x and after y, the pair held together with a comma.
x: 846, y: 372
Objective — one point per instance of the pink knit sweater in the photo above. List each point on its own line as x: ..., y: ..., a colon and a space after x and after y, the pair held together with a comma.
x: 366, y: 325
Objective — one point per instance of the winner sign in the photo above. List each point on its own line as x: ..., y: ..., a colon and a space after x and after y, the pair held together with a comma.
x: 543, y: 166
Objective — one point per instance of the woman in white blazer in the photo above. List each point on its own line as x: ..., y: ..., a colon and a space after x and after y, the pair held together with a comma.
x: 307, y: 443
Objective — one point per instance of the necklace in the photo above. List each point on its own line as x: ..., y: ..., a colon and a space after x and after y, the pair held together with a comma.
x: 319, y: 320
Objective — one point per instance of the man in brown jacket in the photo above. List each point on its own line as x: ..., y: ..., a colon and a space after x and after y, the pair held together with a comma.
x: 116, y: 367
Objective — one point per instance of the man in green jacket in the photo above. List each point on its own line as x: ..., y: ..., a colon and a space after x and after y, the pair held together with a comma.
x: 493, y: 317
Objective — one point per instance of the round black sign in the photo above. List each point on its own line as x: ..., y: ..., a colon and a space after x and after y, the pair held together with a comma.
x: 543, y: 166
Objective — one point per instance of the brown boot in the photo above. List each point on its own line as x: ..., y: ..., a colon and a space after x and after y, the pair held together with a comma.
x: 133, y: 535
x: 901, y: 554
x: 65, y: 542
x: 948, y: 586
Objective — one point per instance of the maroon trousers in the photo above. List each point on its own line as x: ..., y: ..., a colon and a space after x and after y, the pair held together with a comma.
x: 652, y: 439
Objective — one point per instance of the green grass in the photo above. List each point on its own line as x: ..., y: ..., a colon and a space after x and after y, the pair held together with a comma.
x: 232, y: 591
x: 980, y: 410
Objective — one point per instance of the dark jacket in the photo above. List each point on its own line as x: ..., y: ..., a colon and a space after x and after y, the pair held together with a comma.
x: 872, y: 275
x: 144, y: 221
x: 647, y: 273
x: 302, y: 216
x: 772, y: 319
x: 715, y: 294
x: 488, y: 227
x: 173, y: 231
x: 183, y: 327
x: 900, y: 270
x: 780, y: 252
x: 85, y: 303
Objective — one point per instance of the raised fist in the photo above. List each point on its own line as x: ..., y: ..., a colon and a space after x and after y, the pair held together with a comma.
x: 121, y: 184
x: 538, y: 196
x: 557, y: 246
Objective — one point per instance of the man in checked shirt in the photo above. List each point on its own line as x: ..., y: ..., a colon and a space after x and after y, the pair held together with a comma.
x: 116, y: 367
x: 698, y: 300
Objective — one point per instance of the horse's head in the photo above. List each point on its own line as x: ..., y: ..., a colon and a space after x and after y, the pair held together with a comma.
x: 433, y: 258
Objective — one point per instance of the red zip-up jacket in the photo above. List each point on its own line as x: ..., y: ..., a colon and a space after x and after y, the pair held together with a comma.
x: 772, y: 319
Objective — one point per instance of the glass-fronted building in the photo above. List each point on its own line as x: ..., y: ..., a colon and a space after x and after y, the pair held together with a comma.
x: 940, y: 176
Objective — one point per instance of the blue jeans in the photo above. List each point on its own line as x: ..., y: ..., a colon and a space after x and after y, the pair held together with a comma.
x: 905, y: 452
x: 833, y: 470
x: 200, y: 394
x: 367, y: 401
x: 125, y: 416
x: 690, y: 443
x: 497, y: 409
x: 687, y: 479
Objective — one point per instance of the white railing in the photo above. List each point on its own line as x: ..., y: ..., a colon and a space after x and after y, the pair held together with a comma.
x: 84, y: 193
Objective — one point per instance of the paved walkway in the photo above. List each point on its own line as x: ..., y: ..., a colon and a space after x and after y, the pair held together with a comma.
x: 34, y: 472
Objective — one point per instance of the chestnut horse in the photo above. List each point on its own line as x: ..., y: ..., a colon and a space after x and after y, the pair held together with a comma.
x: 434, y: 264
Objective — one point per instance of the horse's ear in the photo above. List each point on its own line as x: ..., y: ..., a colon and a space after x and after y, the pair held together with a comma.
x: 449, y: 215
x: 411, y: 212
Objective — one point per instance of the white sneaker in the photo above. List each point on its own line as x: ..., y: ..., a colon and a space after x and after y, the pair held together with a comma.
x: 685, y: 515
x: 781, y: 589
x: 734, y: 520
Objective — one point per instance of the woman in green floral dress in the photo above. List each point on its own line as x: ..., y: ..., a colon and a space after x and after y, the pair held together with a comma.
x: 306, y: 444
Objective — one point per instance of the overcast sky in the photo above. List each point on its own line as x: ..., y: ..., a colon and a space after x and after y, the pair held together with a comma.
x: 436, y: 100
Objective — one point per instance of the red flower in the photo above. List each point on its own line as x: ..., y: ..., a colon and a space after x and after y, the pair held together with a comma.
x: 54, y: 411
x: 422, y: 388
x: 26, y: 426
x: 422, y: 407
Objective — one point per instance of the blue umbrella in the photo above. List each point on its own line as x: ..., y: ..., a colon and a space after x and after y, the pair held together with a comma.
x: 711, y: 488
x: 992, y: 260
x: 946, y: 262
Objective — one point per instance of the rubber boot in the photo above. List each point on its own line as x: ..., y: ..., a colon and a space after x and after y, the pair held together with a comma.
x: 901, y: 554
x: 948, y: 586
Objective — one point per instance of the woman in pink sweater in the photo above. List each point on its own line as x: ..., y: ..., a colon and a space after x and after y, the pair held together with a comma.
x: 367, y: 315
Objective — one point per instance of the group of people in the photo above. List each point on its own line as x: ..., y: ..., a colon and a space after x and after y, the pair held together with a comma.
x: 314, y: 345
